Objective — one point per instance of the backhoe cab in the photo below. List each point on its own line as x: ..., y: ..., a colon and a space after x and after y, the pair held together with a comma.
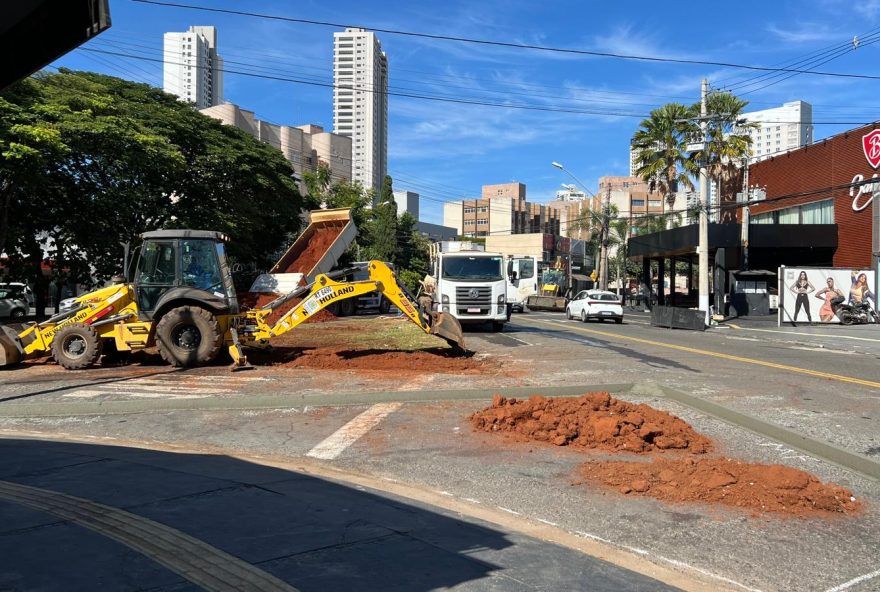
x: 180, y: 298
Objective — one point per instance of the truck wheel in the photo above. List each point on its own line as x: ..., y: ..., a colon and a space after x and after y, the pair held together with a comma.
x: 497, y: 326
x: 76, y: 346
x: 18, y: 313
x: 188, y: 336
x: 384, y: 305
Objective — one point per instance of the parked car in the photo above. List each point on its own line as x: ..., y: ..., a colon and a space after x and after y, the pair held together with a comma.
x: 21, y: 288
x: 13, y: 304
x: 595, y: 304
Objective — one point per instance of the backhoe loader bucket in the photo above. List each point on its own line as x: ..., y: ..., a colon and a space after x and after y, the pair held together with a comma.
x: 10, y: 350
x: 447, y: 327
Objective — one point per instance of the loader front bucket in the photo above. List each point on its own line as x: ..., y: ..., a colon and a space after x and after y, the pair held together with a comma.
x: 10, y: 350
x: 447, y: 327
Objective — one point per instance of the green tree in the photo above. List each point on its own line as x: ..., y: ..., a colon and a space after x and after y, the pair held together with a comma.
x: 660, y: 144
x: 729, y: 143
x: 412, y: 252
x: 383, y: 227
x: 125, y: 158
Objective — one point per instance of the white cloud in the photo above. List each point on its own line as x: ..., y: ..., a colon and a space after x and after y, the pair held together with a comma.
x: 806, y: 33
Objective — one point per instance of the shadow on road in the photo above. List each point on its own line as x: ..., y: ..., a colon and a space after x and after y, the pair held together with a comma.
x: 314, y: 534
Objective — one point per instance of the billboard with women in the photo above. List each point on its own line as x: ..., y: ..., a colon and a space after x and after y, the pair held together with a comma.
x: 815, y: 295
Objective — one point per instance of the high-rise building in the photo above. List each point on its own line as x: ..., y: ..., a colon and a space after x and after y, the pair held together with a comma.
x: 192, y: 69
x: 305, y: 146
x: 781, y: 129
x: 360, y: 102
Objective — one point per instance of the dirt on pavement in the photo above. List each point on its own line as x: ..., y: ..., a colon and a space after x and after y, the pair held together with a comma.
x: 594, y: 420
x: 754, y: 487
x: 599, y: 421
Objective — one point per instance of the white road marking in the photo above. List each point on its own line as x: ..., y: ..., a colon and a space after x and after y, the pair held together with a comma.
x: 85, y: 394
x: 519, y: 340
x: 674, y: 562
x: 508, y: 510
x: 139, y: 386
x: 854, y: 581
x: 546, y: 522
x: 338, y: 441
x: 820, y: 335
x: 92, y: 393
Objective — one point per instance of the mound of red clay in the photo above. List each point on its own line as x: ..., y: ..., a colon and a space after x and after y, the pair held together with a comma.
x: 317, y: 246
x: 756, y: 487
x: 435, y: 360
x: 594, y: 420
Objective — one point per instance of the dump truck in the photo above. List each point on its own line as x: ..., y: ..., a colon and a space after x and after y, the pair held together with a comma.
x: 179, y: 297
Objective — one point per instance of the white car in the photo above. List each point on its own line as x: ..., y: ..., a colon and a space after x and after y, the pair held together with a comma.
x: 595, y: 304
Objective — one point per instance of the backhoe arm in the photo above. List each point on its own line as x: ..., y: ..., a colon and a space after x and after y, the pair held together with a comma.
x: 324, y: 291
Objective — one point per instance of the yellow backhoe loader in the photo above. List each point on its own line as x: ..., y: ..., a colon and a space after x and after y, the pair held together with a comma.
x: 181, y: 299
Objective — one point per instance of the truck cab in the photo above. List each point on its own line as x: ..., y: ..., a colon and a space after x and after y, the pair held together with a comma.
x: 522, y: 276
x: 471, y: 285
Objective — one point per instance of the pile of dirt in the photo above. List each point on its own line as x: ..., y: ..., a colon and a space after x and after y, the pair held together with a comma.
x: 597, y: 420
x: 755, y: 487
x: 593, y: 420
x: 384, y: 361
x: 317, y: 246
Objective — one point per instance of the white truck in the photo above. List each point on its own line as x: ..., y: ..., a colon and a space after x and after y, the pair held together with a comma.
x: 468, y: 283
x: 522, y: 275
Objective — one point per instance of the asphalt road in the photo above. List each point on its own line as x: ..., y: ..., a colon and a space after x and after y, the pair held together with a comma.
x: 410, y: 445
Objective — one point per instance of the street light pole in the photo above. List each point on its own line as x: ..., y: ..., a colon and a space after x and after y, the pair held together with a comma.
x: 606, y: 214
x: 703, y: 247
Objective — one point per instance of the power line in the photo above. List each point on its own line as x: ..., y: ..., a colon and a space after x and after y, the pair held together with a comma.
x: 507, y: 44
x: 436, y: 98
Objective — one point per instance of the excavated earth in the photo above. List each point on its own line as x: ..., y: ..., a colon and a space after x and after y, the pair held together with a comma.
x: 599, y: 421
x: 754, y: 487
x: 594, y: 420
x: 432, y: 360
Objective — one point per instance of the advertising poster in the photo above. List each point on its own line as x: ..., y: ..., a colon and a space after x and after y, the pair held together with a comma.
x: 817, y: 295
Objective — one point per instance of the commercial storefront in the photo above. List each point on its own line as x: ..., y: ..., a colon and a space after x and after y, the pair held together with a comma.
x: 811, y: 207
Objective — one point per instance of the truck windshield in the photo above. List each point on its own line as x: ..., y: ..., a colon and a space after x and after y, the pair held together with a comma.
x: 472, y: 268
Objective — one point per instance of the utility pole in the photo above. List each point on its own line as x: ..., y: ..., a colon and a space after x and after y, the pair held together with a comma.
x: 606, y: 214
x: 746, y: 215
x: 703, y: 247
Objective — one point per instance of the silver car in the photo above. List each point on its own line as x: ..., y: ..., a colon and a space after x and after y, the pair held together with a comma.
x: 13, y: 304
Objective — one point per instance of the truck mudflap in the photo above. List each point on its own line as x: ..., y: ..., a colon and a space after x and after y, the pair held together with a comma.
x: 447, y: 327
x: 10, y: 347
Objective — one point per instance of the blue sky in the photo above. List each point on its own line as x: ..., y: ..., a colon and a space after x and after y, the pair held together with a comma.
x: 447, y: 151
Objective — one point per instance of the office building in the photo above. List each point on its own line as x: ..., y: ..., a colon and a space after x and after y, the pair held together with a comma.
x: 192, y: 68
x: 502, y: 209
x: 360, y: 103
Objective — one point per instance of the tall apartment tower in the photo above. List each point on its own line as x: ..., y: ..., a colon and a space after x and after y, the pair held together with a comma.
x: 360, y: 103
x: 781, y: 129
x: 192, y: 69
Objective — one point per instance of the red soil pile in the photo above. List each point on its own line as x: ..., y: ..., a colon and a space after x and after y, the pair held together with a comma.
x: 430, y: 361
x: 317, y: 246
x: 755, y: 487
x: 594, y: 420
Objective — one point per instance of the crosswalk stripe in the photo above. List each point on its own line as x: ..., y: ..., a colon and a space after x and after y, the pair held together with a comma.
x: 338, y: 441
x: 138, y: 386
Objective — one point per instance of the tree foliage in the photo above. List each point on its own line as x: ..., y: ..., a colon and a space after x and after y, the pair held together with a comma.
x: 89, y: 161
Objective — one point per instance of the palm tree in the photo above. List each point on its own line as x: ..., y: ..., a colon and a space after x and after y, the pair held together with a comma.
x: 728, y: 142
x: 660, y: 144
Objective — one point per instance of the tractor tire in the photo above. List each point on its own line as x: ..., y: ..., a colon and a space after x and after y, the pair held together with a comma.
x: 188, y: 336
x: 76, y: 346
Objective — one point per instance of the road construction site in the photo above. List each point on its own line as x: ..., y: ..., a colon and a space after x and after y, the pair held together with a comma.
x: 348, y: 403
